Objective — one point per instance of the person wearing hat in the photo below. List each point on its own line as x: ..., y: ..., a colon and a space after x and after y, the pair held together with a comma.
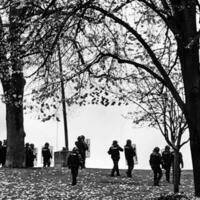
x: 114, y: 151
x: 167, y: 162
x: 73, y: 162
x: 155, y: 163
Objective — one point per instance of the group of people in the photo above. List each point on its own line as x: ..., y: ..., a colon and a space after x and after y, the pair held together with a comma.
x: 166, y: 161
x: 130, y: 153
x: 3, y: 148
x: 77, y: 157
x: 31, y: 155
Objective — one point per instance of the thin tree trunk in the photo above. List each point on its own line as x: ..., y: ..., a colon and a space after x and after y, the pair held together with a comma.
x: 176, y: 172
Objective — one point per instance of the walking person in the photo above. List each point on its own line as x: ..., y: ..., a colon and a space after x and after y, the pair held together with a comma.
x: 129, y: 151
x: 114, y: 151
x: 46, y: 154
x: 82, y: 147
x: 73, y: 162
x: 155, y: 163
x: 167, y: 162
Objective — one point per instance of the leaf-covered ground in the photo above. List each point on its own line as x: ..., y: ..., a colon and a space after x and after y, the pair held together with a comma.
x: 93, y: 184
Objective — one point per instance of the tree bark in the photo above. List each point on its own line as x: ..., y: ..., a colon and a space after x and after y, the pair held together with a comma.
x: 15, y: 136
x: 176, y: 171
x: 13, y: 86
x: 188, y: 50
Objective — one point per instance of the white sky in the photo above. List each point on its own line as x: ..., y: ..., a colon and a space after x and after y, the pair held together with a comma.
x: 102, y: 125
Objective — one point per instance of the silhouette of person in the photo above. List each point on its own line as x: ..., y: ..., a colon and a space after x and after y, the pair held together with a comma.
x: 114, y: 151
x: 155, y: 163
x: 73, y: 162
x: 167, y: 162
x: 46, y: 154
x: 129, y: 151
x: 27, y: 155
x: 32, y: 155
x: 4, y: 152
x: 82, y: 147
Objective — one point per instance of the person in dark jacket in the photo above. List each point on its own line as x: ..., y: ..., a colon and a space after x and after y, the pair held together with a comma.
x: 167, y: 162
x: 4, y: 152
x: 73, y: 162
x: 129, y: 151
x: 46, y: 154
x: 32, y: 155
x: 114, y: 151
x: 155, y: 163
x: 82, y: 147
x: 27, y: 155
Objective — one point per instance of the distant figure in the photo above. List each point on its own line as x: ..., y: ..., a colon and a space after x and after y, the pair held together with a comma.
x: 27, y: 155
x: 46, y: 154
x: 114, y: 151
x: 4, y: 152
x: 181, y: 164
x: 32, y: 155
x: 82, y: 147
x: 1, y: 153
x: 129, y: 151
x: 73, y: 162
x: 167, y: 162
x: 155, y: 162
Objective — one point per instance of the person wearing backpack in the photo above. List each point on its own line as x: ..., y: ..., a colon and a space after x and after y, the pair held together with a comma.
x: 114, y: 151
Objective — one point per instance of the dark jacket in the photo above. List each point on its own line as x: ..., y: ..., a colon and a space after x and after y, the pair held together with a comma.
x: 46, y: 153
x: 82, y: 147
x: 155, y: 159
x: 74, y: 160
x: 114, y: 152
x: 129, y: 152
x: 167, y: 159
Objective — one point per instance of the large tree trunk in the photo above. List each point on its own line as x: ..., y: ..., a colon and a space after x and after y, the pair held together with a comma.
x: 13, y: 86
x: 15, y: 136
x: 13, y: 91
x: 188, y: 50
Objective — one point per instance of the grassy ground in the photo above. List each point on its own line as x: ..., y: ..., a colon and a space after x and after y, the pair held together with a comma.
x: 93, y: 184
